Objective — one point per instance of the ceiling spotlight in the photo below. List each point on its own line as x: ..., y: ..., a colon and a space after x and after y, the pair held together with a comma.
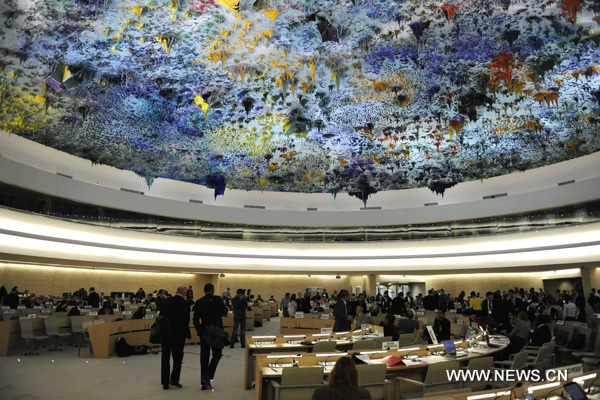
x: 222, y: 275
x: 338, y: 277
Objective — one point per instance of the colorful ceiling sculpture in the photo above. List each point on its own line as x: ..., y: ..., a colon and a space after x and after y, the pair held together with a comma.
x: 330, y: 96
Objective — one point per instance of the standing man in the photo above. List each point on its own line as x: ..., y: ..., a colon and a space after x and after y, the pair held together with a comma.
x: 190, y: 294
x: 209, y: 310
x: 239, y: 304
x: 93, y: 298
x: 226, y: 293
x: 285, y: 303
x: 177, y: 310
x: 343, y: 321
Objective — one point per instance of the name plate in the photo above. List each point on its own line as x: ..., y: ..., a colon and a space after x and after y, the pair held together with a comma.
x: 265, y: 304
x: 299, y: 314
x: 573, y: 371
x: 133, y: 307
x: 93, y: 312
x: 126, y: 303
x: 149, y: 317
x: 420, y: 312
x: 326, y: 330
x: 32, y: 316
x: 432, y: 334
x: 46, y: 311
x: 452, y: 311
x: 397, y: 316
x: 9, y: 311
x: 559, y: 322
x: 21, y: 307
x: 48, y: 303
x: 390, y: 345
x: 325, y: 316
x: 584, y: 325
x: 6, y: 307
x: 368, y: 314
x: 126, y: 312
x: 87, y: 307
x: 38, y: 307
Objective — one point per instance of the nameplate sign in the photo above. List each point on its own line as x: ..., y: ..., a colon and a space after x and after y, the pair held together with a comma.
x: 325, y: 316
x: 32, y: 316
x: 21, y: 307
x: 368, y: 314
x: 265, y: 304
x: 299, y: 314
x: 127, y: 303
x: 46, y: 311
x: 390, y: 345
x: 583, y: 325
x: 93, y: 312
x: 6, y: 307
x: 452, y: 311
x: 133, y: 307
x: 149, y: 317
x: 559, y: 322
x: 432, y: 334
x: 87, y: 307
x: 48, y: 303
x: 573, y: 371
x: 420, y: 313
x: 126, y: 312
x: 38, y: 307
x: 9, y: 311
x: 326, y: 330
x: 397, y: 316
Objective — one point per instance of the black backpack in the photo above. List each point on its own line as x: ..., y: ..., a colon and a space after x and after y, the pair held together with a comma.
x: 123, y: 348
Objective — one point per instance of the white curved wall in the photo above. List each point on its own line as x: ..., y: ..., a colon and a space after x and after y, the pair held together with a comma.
x: 30, y: 165
x: 33, y: 236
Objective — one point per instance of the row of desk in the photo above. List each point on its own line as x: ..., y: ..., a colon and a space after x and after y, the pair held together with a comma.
x: 260, y: 356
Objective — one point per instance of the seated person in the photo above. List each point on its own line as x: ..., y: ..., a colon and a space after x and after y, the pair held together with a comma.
x: 519, y: 335
x: 580, y: 315
x: 106, y: 310
x: 441, y: 327
x: 541, y: 333
x: 62, y: 307
x: 140, y: 313
x: 408, y: 324
x: 75, y: 310
x: 119, y: 306
x: 272, y: 299
x: 318, y: 307
x: 360, y: 318
x: 388, y: 326
x: 342, y: 383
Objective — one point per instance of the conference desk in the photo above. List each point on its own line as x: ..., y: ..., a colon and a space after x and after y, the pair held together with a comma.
x: 264, y: 369
x: 256, y: 345
x: 311, y: 323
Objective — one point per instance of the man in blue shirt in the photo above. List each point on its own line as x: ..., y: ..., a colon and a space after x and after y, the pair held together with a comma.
x: 226, y: 293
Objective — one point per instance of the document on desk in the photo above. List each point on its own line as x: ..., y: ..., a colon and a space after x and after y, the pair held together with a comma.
x: 410, y: 362
x: 479, y: 351
x: 365, y: 358
x: 434, y: 359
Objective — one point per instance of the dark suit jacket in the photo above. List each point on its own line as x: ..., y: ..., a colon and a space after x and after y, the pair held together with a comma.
x: 94, y: 300
x: 407, y: 326
x: 178, y: 312
x: 497, y: 310
x: 325, y: 393
x: 11, y: 300
x: 390, y: 330
x: 441, y: 328
x: 341, y: 317
x: 397, y: 305
x: 429, y: 303
x: 580, y: 301
x: 73, y: 311
x: 208, y: 310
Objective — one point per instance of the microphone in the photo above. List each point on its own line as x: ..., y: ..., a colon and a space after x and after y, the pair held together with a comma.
x: 554, y: 390
x: 589, y: 389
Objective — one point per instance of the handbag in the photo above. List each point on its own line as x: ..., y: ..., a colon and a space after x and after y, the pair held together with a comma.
x: 161, y: 328
x: 216, y: 337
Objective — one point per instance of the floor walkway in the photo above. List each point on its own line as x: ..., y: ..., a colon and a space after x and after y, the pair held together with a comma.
x: 64, y: 376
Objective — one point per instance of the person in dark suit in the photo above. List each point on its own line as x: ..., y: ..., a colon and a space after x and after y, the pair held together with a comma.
x: 93, y: 298
x: 12, y: 299
x: 578, y: 299
x: 429, y: 302
x: 342, y: 383
x: 239, y: 304
x: 512, y: 302
x: 408, y: 324
x: 343, y: 321
x: 75, y: 310
x: 178, y: 312
x: 209, y: 309
x: 441, y: 327
x: 492, y: 308
x: 388, y: 326
x: 398, y: 304
x: 119, y: 306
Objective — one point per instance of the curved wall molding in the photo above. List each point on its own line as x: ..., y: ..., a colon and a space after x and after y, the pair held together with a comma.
x: 31, y: 237
x: 33, y: 166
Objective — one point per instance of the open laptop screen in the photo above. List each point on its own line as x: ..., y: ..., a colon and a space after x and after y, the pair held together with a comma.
x: 449, y: 347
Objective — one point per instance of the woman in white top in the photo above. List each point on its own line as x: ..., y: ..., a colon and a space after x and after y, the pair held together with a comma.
x: 293, y: 305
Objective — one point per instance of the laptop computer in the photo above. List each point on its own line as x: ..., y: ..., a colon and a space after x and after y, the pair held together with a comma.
x: 450, y: 350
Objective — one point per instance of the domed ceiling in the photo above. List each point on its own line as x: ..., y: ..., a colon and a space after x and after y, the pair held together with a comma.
x: 330, y: 96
